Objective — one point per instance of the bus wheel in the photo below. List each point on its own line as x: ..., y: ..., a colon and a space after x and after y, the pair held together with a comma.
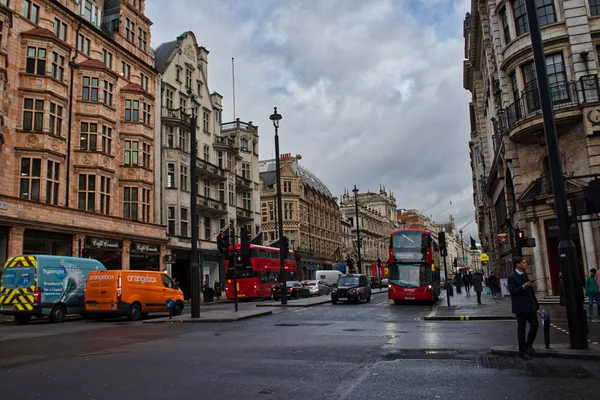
x: 22, y: 318
x: 397, y: 302
x: 58, y: 313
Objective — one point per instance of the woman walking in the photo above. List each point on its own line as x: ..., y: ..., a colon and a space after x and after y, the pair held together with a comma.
x: 591, y: 288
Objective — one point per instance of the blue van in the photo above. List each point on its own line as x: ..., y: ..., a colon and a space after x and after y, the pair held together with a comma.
x: 42, y: 285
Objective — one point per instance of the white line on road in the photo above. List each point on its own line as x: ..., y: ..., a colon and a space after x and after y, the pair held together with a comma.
x: 382, y: 303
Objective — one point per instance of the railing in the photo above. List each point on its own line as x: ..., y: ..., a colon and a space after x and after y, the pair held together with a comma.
x: 207, y: 202
x: 209, y: 167
x: 243, y: 212
x: 239, y: 180
x: 175, y: 113
x: 237, y: 125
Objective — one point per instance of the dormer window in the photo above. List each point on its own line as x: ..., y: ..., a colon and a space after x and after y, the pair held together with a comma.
x: 89, y: 10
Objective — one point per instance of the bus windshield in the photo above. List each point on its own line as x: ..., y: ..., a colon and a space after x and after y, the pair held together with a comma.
x: 410, y: 275
x: 410, y: 245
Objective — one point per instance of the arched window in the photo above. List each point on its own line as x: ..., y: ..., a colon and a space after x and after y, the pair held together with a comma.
x: 244, y: 144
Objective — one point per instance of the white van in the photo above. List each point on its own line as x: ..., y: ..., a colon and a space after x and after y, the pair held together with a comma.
x: 329, y: 277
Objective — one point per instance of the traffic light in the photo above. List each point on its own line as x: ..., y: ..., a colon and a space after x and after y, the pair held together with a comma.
x: 223, y: 242
x: 245, y: 240
x: 442, y: 240
x: 349, y: 262
x: 522, y: 241
x: 285, y: 246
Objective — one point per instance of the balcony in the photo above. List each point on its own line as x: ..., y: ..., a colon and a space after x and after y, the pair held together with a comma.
x: 211, y: 171
x: 238, y: 125
x: 244, y: 214
x: 243, y: 184
x: 225, y: 142
x: 175, y: 115
x: 209, y: 206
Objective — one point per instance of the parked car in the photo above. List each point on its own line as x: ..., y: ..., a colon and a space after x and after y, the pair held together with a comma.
x: 294, y: 290
x: 329, y: 277
x: 352, y: 287
x: 316, y: 288
x: 385, y: 282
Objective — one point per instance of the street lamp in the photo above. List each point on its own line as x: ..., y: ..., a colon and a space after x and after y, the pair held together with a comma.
x: 194, y: 265
x: 355, y: 191
x: 275, y: 117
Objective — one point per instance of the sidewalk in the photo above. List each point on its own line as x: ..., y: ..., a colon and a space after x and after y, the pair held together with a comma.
x: 465, y: 308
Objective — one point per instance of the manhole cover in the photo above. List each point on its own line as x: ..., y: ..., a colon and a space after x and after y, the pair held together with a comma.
x: 496, y: 362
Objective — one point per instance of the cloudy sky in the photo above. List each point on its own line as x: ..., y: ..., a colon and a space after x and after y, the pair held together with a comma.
x: 370, y: 90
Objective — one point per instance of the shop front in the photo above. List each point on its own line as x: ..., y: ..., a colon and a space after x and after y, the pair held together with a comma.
x: 107, y: 251
x: 210, y: 267
x: 144, y: 257
x: 43, y: 242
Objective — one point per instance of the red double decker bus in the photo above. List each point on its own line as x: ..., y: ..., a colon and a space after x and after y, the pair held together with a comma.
x: 413, y: 266
x: 257, y: 273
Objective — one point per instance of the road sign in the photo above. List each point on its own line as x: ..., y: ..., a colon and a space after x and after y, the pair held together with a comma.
x: 169, y: 258
x: 170, y: 303
x: 484, y: 257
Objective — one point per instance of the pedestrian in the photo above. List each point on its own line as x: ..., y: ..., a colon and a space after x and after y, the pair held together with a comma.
x: 478, y: 285
x: 467, y: 284
x: 218, y: 290
x: 591, y: 288
x: 524, y: 306
x: 492, y: 282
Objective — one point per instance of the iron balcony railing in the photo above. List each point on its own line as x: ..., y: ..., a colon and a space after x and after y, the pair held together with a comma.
x: 237, y: 125
x: 175, y: 113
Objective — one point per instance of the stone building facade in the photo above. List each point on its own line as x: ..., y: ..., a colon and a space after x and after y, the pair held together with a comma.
x: 226, y: 160
x: 77, y: 134
x: 311, y: 216
x: 511, y: 177
x: 377, y: 219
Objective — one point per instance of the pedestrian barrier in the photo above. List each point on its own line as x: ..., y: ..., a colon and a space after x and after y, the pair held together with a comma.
x: 545, y: 314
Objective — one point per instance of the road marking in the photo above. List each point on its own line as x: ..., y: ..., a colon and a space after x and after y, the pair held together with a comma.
x: 417, y: 318
x: 464, y: 317
x: 382, y: 303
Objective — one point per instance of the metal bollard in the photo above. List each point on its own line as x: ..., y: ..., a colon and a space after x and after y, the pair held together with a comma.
x: 545, y: 314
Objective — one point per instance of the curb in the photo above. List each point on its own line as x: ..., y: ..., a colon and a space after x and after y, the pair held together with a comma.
x: 205, y: 320
x: 288, y: 305
x: 470, y: 318
x: 566, y: 353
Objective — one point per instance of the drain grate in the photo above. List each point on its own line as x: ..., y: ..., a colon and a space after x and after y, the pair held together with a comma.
x: 498, y: 362
x: 286, y: 324
x: 266, y: 391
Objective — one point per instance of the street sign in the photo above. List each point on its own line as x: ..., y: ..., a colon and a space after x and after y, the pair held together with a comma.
x: 170, y: 303
x: 484, y: 257
x: 169, y: 258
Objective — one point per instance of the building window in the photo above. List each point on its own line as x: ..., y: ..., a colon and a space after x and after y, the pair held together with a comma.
x: 184, y: 222
x: 90, y: 88
x: 107, y: 58
x: 146, y: 151
x: 146, y: 113
x: 132, y: 110
x: 5, y: 2
x: 52, y: 182
x: 31, y: 11
x: 182, y: 139
x: 129, y: 30
x: 288, y: 210
x: 142, y: 40
x: 505, y: 26
x: 131, y: 153
x: 246, y: 170
x: 515, y: 86
x: 178, y: 74
x: 87, y: 192
x: 557, y: 79
x: 169, y: 99
x: 170, y: 137
x: 31, y: 169
x: 83, y: 44
x: 33, y: 115
x: 246, y: 201
x: 244, y: 144
x: 183, y: 177
x: 144, y: 81
x: 545, y: 12
x: 188, y: 78
x: 221, y: 192
x: 58, y: 66
x: 60, y: 29
x: 594, y: 7
x: 106, y: 140
x: 145, y: 205
x: 170, y: 175
x: 231, y: 195
x: 105, y: 195
x: 207, y: 233
x: 521, y: 23
x: 207, y: 188
x: 206, y: 121
x: 56, y: 120
x: 130, y: 203
x: 287, y: 186
x: 206, y: 153
x: 271, y: 211
x: 171, y: 221
x: 1, y: 31
x: 183, y: 104
x: 125, y: 70
x: 89, y: 136
x: 36, y: 61
x: 108, y: 95
x: 90, y: 11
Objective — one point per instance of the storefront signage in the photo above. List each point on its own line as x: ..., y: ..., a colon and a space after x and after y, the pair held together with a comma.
x: 144, y: 248
x: 104, y: 244
x: 503, y: 238
x: 484, y: 257
x: 169, y: 258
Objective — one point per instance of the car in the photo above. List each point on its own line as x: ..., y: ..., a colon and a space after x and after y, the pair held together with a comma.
x: 316, y: 288
x: 385, y: 282
x: 294, y: 290
x: 352, y: 287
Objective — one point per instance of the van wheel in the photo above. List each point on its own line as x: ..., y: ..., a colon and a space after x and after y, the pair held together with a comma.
x: 58, y: 313
x: 22, y: 318
x: 135, y: 312
x: 178, y: 309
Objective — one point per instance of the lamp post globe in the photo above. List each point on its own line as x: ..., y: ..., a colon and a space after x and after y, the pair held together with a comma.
x: 276, y: 117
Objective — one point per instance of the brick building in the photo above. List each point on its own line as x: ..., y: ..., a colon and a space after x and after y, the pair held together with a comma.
x: 511, y: 177
x: 77, y: 135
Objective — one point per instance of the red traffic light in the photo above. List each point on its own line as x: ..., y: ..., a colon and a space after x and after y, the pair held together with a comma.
x: 520, y: 234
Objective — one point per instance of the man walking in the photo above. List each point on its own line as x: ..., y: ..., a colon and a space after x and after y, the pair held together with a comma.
x: 524, y: 306
x: 492, y: 282
x: 478, y: 285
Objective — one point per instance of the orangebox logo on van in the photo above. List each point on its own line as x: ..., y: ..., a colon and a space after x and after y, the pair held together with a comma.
x: 142, y: 279
x: 104, y: 277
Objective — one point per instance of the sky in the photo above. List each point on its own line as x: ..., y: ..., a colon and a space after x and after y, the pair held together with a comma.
x: 371, y: 91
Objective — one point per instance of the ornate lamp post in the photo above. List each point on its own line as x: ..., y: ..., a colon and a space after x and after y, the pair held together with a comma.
x: 275, y: 117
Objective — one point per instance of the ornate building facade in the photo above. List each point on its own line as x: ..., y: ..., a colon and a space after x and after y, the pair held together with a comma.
x: 226, y: 160
x: 511, y: 177
x: 311, y: 216
x: 77, y: 137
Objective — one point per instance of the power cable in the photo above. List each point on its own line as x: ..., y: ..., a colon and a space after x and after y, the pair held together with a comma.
x: 445, y: 198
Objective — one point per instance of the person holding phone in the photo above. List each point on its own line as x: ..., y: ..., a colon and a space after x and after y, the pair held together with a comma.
x: 524, y: 306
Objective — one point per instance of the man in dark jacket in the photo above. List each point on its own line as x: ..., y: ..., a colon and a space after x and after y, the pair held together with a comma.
x: 477, y: 282
x: 524, y: 306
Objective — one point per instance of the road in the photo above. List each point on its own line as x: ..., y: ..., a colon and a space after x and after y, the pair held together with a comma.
x: 347, y: 351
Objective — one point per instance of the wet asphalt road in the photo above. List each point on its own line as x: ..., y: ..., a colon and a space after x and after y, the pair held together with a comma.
x: 347, y: 351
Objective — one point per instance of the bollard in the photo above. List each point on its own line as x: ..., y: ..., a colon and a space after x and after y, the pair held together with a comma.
x: 546, y: 325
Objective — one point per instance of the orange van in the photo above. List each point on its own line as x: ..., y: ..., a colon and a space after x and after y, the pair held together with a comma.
x: 134, y: 294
